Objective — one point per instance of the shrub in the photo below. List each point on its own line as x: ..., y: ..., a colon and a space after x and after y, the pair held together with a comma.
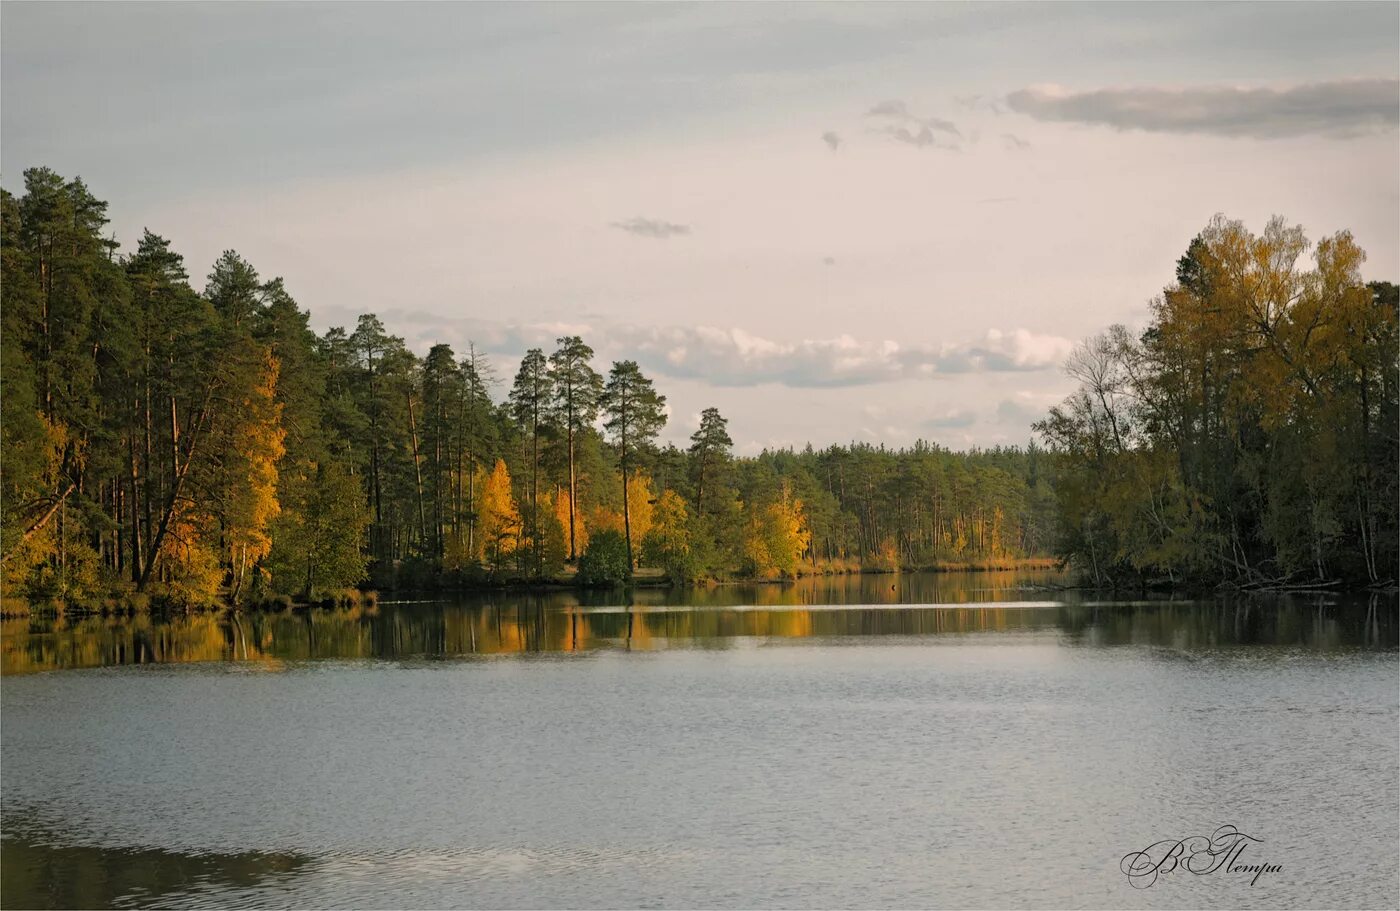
x: 604, y: 562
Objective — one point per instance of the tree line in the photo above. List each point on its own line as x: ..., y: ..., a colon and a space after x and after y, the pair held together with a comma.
x: 1249, y: 434
x: 203, y: 446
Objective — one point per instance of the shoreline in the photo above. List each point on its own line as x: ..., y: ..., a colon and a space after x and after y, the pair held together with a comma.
x: 133, y: 605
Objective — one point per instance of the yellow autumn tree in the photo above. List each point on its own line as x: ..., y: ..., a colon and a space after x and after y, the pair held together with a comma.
x: 554, y: 532
x: 33, y: 475
x: 776, y: 537
x: 788, y: 535
x: 641, y: 504
x: 601, y: 518
x: 667, y: 543
x: 190, y: 573
x: 499, y: 517
x: 561, y: 514
x: 255, y: 446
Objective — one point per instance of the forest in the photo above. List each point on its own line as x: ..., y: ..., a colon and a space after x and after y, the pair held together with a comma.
x: 167, y: 445
x: 170, y: 445
x: 1248, y: 436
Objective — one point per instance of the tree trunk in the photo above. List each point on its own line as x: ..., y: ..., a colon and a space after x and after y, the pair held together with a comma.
x: 535, y: 485
x: 135, y: 488
x: 573, y: 490
x: 700, y: 489
x: 626, y: 511
x: 181, y: 471
x: 44, y: 519
x: 417, y: 472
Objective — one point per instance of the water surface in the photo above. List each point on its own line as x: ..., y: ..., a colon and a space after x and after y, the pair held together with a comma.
x: 827, y: 744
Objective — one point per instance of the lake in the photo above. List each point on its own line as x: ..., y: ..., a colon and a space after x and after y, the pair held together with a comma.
x: 943, y: 741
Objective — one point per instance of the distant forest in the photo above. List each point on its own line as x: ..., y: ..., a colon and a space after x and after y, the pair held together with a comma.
x: 196, y: 448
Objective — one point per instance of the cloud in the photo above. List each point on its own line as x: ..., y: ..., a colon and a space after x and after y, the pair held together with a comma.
x: 651, y: 227
x: 1025, y: 407
x: 922, y: 137
x: 734, y: 357
x: 1013, y: 143
x: 980, y: 103
x: 921, y: 132
x: 832, y: 140
x: 1014, y: 412
x: 1019, y: 349
x: 1340, y: 109
x: 951, y: 421
x: 891, y: 108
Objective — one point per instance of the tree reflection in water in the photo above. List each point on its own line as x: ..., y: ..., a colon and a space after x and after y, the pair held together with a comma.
x: 849, y: 607
x: 36, y: 875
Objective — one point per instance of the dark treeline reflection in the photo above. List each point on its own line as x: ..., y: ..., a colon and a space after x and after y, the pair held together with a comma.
x: 93, y: 877
x: 908, y: 605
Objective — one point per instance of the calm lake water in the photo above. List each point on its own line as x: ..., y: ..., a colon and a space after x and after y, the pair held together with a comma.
x: 911, y: 741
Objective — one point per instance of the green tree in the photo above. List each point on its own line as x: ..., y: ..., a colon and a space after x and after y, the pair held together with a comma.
x: 635, y: 415
x: 577, y: 388
x: 529, y: 399
x: 667, y: 543
x: 709, y: 452
x: 605, y: 561
x: 319, y: 541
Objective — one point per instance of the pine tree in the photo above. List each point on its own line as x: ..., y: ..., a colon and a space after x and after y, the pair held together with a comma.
x: 529, y: 400
x: 636, y: 414
x: 577, y: 387
x: 709, y: 452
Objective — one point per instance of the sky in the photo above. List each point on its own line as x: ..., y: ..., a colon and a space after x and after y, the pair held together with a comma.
x: 833, y: 222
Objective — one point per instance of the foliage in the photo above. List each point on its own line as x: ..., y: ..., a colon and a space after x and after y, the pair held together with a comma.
x: 604, y: 562
x: 635, y: 414
x: 577, y: 389
x: 498, y: 516
x: 1249, y: 434
x: 210, y: 446
x: 666, y: 543
x: 572, y: 521
x: 554, y: 534
x: 319, y: 544
x: 776, y: 537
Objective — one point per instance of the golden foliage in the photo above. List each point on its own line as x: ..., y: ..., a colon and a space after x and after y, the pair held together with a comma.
x: 639, y: 504
x: 22, y: 556
x: 601, y: 518
x: 190, y: 567
x: 257, y: 445
x: 498, y: 528
x: 776, y: 537
x: 561, y: 513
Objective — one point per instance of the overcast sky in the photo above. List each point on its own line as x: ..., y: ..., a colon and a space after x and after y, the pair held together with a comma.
x: 832, y: 222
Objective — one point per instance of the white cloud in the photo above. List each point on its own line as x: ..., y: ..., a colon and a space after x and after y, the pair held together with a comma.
x: 735, y: 357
